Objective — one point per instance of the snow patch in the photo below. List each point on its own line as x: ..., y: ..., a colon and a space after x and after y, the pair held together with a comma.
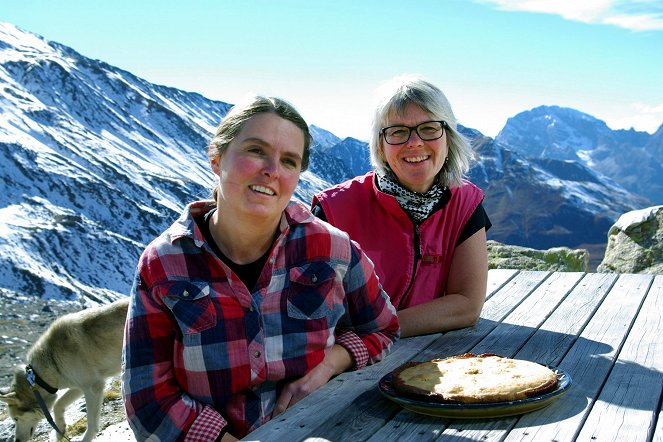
x: 637, y: 217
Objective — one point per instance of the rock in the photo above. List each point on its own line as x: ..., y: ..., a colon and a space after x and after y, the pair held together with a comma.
x: 635, y: 243
x: 559, y: 259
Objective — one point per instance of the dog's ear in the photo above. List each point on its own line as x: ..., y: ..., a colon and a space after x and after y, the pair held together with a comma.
x: 9, y: 397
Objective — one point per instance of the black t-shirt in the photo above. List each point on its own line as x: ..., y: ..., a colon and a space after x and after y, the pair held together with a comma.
x: 247, y: 273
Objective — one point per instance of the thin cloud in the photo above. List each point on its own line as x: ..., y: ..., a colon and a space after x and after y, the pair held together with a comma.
x: 642, y: 15
x: 640, y: 116
x: 637, y: 22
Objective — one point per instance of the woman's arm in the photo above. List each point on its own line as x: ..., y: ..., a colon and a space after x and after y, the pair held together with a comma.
x: 156, y: 406
x: 466, y: 293
x: 364, y: 334
x: 335, y: 362
x: 370, y: 325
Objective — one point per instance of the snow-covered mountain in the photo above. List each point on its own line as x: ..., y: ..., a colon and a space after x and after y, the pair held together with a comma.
x: 347, y: 150
x: 631, y: 158
x: 546, y: 202
x: 96, y: 162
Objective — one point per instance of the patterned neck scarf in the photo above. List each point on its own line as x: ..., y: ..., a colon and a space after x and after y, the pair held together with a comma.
x: 418, y: 206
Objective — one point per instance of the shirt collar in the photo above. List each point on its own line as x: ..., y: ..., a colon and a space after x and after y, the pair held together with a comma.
x: 185, y: 226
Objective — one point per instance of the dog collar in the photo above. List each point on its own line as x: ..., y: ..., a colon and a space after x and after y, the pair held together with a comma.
x: 33, y: 378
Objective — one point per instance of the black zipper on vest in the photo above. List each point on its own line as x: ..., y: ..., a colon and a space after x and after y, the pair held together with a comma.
x: 417, y: 258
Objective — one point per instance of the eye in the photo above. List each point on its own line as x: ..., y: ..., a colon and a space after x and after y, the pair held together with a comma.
x: 429, y: 128
x: 397, y: 131
x: 254, y: 149
x: 290, y: 163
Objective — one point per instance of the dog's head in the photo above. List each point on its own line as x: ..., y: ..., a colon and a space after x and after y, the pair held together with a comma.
x: 22, y: 406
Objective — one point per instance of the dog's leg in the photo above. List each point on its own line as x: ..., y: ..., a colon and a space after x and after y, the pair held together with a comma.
x: 60, y: 406
x: 94, y: 397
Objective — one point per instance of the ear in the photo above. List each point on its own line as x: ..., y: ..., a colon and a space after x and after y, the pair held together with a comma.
x: 8, y: 397
x: 214, y: 162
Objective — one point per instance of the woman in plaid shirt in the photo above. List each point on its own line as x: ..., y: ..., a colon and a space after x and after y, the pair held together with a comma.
x: 247, y: 303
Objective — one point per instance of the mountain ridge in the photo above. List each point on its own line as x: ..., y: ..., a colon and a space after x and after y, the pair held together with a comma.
x: 97, y: 162
x: 629, y: 157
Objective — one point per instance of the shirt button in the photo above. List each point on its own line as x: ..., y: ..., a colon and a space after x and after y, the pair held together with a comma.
x: 185, y: 294
x: 315, y: 278
x: 256, y: 354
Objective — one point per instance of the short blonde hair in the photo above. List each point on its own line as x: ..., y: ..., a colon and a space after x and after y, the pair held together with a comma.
x: 393, y: 97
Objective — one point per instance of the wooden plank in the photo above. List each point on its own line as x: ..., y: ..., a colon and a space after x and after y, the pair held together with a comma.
x: 514, y: 331
x: 553, y: 338
x: 589, y: 362
x: 658, y: 433
x: 484, y: 430
x: 407, y: 426
x: 512, y: 293
x: 300, y: 420
x: 627, y: 408
x: 497, y: 278
x: 357, y: 420
x: 460, y: 341
x: 413, y: 427
x: 517, y: 330
x: 495, y: 310
x: 561, y: 329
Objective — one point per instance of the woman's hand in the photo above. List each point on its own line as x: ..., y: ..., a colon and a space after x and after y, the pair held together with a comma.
x: 336, y: 361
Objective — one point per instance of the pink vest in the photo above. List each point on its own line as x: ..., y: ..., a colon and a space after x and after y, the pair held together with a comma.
x: 387, y: 235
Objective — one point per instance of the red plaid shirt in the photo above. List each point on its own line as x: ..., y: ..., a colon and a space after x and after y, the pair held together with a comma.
x: 202, y: 351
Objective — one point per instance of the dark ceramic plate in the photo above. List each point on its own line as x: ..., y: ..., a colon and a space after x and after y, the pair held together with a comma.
x: 478, y: 411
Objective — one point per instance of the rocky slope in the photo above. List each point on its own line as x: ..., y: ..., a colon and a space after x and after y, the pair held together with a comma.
x: 635, y: 243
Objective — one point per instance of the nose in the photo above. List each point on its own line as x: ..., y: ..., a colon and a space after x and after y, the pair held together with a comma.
x: 414, y: 139
x: 270, y: 168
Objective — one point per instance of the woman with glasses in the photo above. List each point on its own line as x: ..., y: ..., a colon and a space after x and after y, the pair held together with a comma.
x: 419, y: 221
x: 248, y: 302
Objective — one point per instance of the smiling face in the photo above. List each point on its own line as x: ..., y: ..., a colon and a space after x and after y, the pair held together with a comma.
x: 259, y: 170
x: 415, y: 163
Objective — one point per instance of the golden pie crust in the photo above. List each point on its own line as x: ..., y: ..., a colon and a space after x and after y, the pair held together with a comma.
x: 473, y: 379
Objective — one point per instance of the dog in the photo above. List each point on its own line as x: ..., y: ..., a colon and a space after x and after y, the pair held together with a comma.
x: 77, y: 352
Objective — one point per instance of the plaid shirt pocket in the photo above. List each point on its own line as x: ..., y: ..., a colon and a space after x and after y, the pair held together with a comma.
x: 191, y: 305
x: 309, y: 291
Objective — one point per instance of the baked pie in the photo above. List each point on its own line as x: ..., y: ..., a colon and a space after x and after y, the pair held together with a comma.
x: 473, y: 379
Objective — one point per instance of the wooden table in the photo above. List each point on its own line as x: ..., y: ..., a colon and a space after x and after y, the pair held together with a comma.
x: 604, y: 330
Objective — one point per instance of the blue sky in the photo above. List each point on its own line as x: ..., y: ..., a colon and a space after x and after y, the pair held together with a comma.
x: 492, y: 58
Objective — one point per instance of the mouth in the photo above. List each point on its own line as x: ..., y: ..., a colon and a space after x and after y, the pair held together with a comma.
x: 262, y: 189
x: 418, y: 159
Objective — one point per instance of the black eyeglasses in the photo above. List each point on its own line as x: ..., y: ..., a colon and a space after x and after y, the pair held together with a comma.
x: 427, y: 131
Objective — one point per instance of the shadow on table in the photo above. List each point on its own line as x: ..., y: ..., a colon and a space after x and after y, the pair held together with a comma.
x: 370, y: 414
x: 587, y: 362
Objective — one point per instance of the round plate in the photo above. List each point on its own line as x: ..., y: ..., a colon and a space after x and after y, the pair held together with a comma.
x: 477, y: 411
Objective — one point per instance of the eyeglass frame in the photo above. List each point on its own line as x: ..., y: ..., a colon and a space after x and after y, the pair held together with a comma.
x: 415, y: 129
